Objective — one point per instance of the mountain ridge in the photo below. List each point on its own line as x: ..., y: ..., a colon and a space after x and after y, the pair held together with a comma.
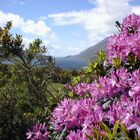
x: 81, y: 59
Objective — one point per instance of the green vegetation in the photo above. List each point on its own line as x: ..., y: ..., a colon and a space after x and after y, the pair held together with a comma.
x: 29, y: 86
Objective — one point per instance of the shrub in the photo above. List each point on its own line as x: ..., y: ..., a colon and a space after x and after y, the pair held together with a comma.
x: 107, y: 106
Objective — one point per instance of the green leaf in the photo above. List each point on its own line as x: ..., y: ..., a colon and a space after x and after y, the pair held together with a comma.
x: 101, y: 56
x: 105, y: 128
x: 132, y: 59
x: 122, y: 127
x: 89, y: 137
x: 75, y: 80
x: 117, y: 62
x: 70, y: 94
x: 115, y: 128
x: 136, y: 136
x: 110, y: 136
x: 89, y: 69
x: 97, y: 134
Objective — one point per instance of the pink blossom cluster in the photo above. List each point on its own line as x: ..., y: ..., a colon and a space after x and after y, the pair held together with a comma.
x: 127, y: 110
x: 38, y: 132
x: 120, y: 92
x: 107, y: 86
x: 80, y: 88
x: 78, y: 135
x: 110, y: 98
x: 131, y: 21
x: 71, y: 114
x: 127, y: 41
x: 77, y: 115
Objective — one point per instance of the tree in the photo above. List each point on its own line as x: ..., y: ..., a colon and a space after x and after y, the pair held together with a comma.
x: 25, y: 95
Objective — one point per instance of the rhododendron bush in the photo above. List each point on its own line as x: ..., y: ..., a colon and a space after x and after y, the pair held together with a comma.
x: 107, y: 100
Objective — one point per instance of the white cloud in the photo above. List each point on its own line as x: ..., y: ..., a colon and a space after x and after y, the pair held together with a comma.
x: 21, y: 2
x: 26, y: 41
x: 56, y: 49
x: 38, y: 28
x: 136, y: 9
x: 77, y: 34
x: 17, y: 2
x: 99, y: 22
x: 31, y: 30
x: 61, y: 50
x: 43, y: 18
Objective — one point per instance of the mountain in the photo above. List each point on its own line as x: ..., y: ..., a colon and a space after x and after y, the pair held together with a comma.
x: 81, y: 59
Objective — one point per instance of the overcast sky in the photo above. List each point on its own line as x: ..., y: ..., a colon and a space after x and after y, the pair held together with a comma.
x: 66, y: 26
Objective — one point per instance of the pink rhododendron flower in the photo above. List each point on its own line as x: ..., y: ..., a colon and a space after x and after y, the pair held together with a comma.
x: 113, y: 97
x: 79, y: 135
x: 131, y: 21
x: 73, y: 115
x: 127, y: 41
x: 38, y: 132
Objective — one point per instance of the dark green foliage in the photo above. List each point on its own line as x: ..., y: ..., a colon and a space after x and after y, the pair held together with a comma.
x: 27, y: 89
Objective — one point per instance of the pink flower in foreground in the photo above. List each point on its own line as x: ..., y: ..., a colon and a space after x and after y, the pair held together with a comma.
x: 81, y: 89
x: 131, y: 22
x: 134, y: 83
x: 78, y: 135
x: 38, y: 132
x: 105, y: 87
x: 72, y: 114
x: 127, y: 41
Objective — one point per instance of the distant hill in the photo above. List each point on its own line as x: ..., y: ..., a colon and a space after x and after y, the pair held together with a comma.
x: 81, y: 59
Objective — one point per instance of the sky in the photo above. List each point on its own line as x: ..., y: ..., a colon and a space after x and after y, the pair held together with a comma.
x: 66, y: 27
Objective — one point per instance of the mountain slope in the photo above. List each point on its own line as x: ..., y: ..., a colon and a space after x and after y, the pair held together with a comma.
x: 81, y: 59
x: 92, y: 51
